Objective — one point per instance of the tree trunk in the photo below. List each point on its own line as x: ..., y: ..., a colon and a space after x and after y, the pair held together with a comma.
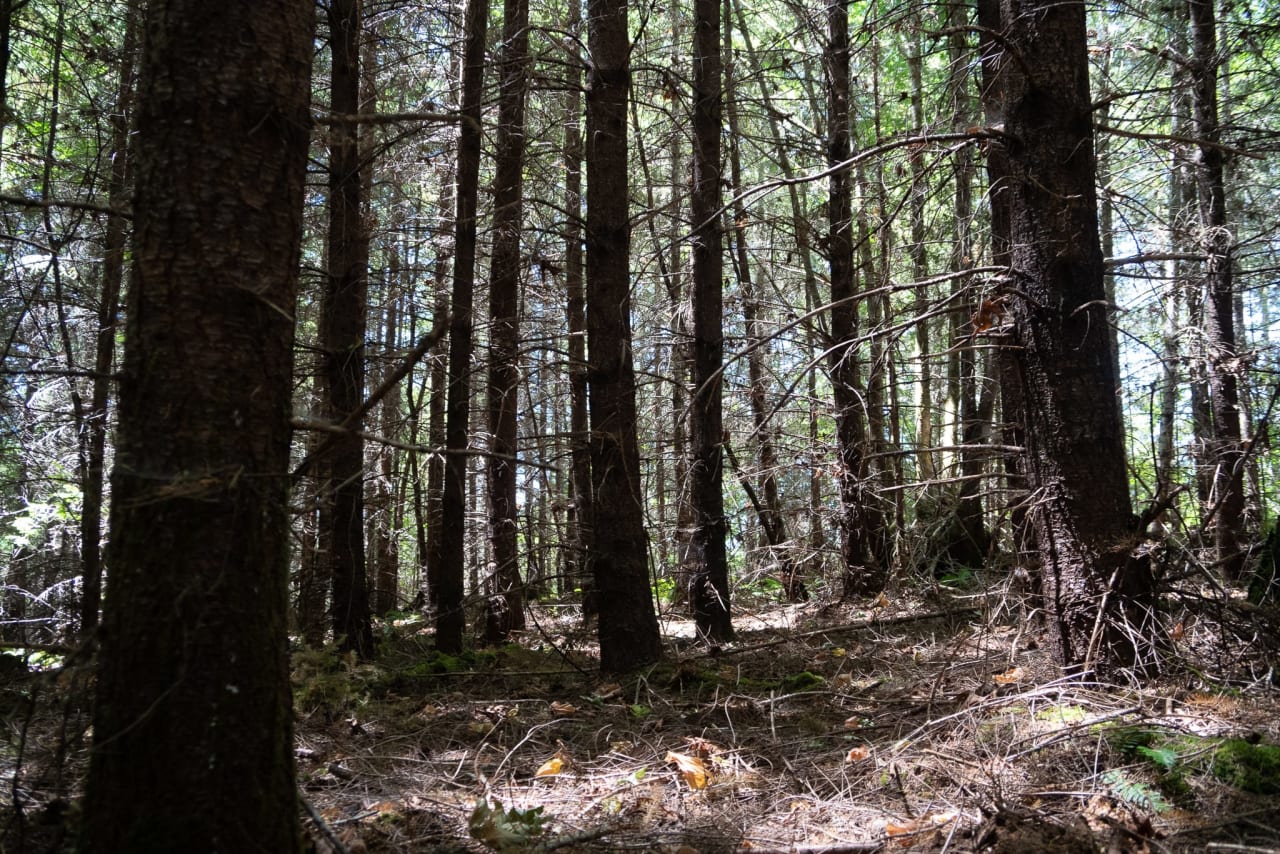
x: 768, y: 505
x: 450, y: 619
x: 1225, y: 450
x: 863, y: 574
x: 580, y: 517
x: 1044, y: 170
x: 709, y: 569
x: 343, y: 316
x: 113, y: 266
x: 505, y: 592
x: 628, y: 626
x: 193, y: 726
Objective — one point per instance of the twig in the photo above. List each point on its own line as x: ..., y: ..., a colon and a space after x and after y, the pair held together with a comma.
x: 323, y: 825
x: 848, y: 627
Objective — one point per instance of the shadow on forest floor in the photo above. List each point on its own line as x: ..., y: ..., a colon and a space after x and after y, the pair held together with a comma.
x: 904, y: 727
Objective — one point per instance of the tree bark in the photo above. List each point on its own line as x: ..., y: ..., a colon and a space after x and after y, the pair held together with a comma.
x: 450, y: 619
x: 628, y: 627
x: 113, y: 270
x: 580, y: 517
x: 862, y: 572
x: 343, y: 320
x: 709, y: 575
x: 193, y: 725
x: 1043, y: 169
x: 505, y: 590
x: 1225, y: 450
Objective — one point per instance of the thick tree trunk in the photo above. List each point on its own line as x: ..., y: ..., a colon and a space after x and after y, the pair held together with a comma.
x: 450, y: 619
x: 193, y: 746
x: 1061, y: 358
x: 505, y: 590
x: 628, y: 624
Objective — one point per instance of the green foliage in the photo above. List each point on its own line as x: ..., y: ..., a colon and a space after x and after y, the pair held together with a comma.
x: 505, y: 830
x: 802, y: 681
x: 1134, y: 792
x: 1254, y: 768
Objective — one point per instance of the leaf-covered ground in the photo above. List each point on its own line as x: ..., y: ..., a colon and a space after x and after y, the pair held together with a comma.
x: 911, y: 725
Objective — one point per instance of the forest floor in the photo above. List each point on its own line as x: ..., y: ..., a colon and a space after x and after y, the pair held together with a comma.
x: 932, y: 723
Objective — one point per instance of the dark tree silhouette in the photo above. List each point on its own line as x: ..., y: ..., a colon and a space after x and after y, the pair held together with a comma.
x: 193, y: 725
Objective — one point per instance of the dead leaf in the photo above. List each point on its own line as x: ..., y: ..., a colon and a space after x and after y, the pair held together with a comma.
x: 857, y: 754
x: 563, y: 708
x: 1009, y: 676
x: 608, y: 691
x: 551, y: 767
x: 702, y: 748
x: 891, y: 829
x: 691, y: 768
x: 989, y: 312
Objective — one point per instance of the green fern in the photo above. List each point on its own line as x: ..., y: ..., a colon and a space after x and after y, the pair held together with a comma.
x: 1134, y: 792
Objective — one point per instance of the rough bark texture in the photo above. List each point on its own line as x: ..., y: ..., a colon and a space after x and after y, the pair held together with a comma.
x: 343, y: 318
x: 193, y: 745
x: 1225, y: 450
x: 505, y: 589
x: 862, y: 572
x: 628, y: 625
x: 450, y: 620
x: 709, y: 575
x: 1043, y: 172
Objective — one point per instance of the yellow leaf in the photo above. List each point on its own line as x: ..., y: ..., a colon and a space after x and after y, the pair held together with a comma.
x: 563, y: 708
x: 857, y: 754
x: 552, y: 766
x: 691, y: 768
x: 1009, y: 676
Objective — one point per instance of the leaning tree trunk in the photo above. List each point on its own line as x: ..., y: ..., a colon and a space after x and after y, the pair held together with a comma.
x: 193, y: 726
x: 628, y: 627
x: 1099, y: 597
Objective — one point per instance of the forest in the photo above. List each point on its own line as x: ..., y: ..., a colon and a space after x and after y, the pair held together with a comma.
x: 668, y: 426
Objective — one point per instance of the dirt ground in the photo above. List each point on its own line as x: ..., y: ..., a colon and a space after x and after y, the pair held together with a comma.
x: 927, y: 724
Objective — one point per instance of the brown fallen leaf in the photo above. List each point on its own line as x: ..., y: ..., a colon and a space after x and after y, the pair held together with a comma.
x: 1009, y: 676
x: 691, y: 768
